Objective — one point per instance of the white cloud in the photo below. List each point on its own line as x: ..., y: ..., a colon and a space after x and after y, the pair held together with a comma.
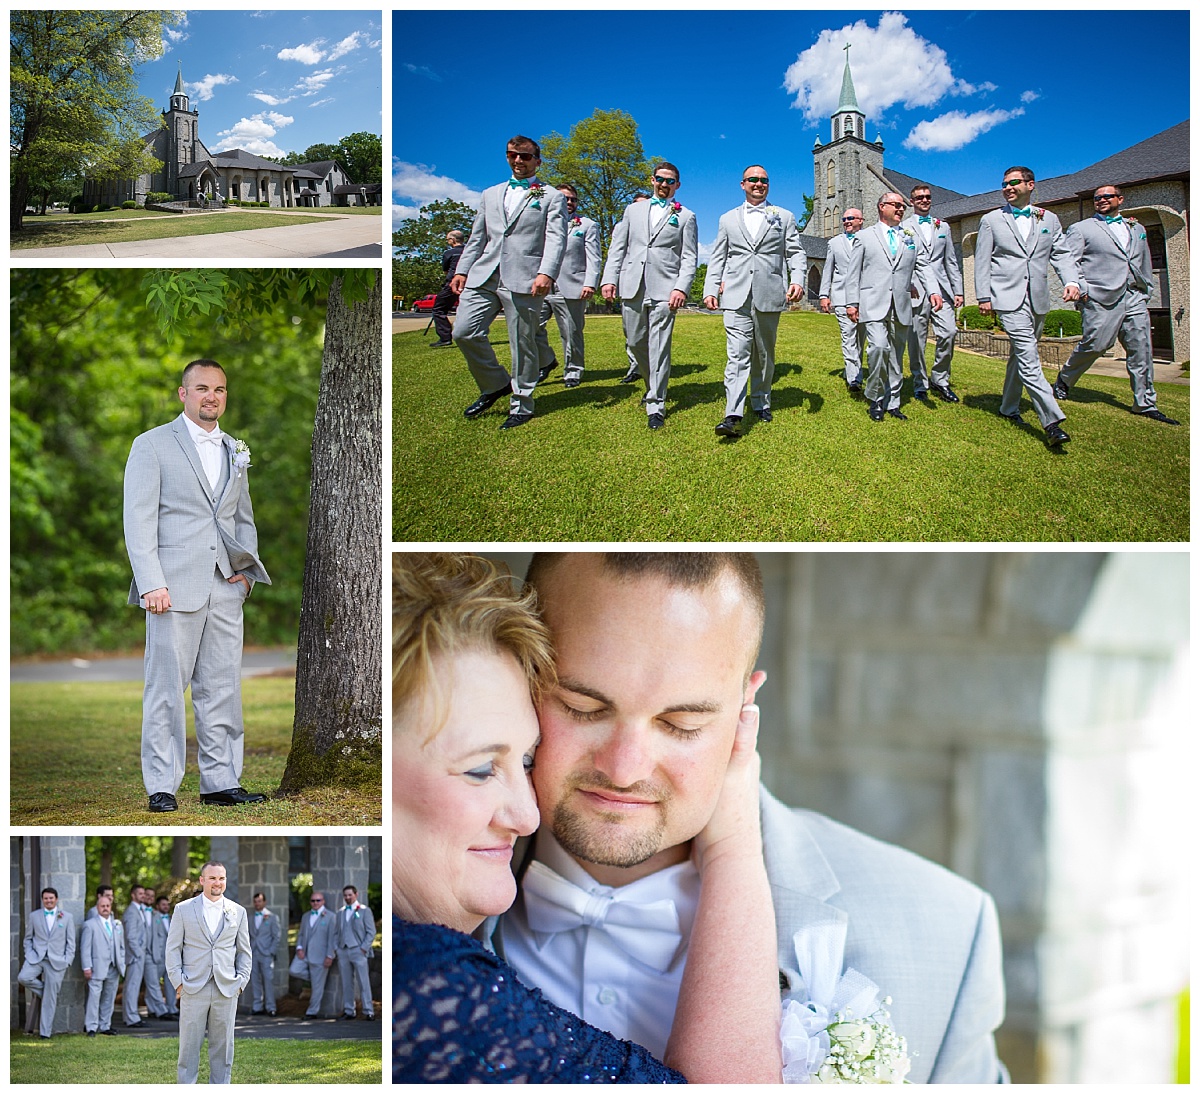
x: 403, y: 212
x: 890, y: 63
x: 202, y: 89
x: 315, y: 84
x: 322, y: 102
x: 177, y: 35
x: 954, y: 129
x: 419, y: 184
x: 961, y: 87
x: 307, y: 55
x: 423, y: 70
x: 254, y: 134
x: 1029, y: 96
x: 351, y: 42
x: 270, y: 100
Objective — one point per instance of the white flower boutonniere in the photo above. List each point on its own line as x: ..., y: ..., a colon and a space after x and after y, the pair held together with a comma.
x: 241, y: 456
x: 773, y: 217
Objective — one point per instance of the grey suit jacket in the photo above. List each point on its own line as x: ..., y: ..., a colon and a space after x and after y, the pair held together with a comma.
x: 837, y: 266
x: 176, y: 534
x: 134, y: 922
x: 1105, y: 268
x: 876, y: 279
x: 944, y: 271
x: 531, y: 243
x: 359, y: 932
x: 661, y: 260
x: 194, y: 956
x: 320, y: 941
x: 757, y: 271
x: 54, y: 945
x: 581, y: 259
x: 264, y: 939
x: 99, y: 952
x: 1008, y: 268
x: 158, y: 939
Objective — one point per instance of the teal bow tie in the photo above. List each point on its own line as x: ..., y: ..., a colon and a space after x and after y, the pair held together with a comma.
x: 522, y: 184
x: 664, y: 202
x: 1118, y: 219
x: 1026, y: 212
x: 924, y: 220
x: 849, y: 235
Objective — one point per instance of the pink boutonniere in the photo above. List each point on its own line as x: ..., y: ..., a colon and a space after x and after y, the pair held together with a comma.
x: 537, y: 191
x: 577, y: 221
x: 1039, y: 212
x: 676, y: 209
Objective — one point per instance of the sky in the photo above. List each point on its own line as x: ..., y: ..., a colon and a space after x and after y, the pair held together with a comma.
x: 954, y: 98
x: 273, y: 82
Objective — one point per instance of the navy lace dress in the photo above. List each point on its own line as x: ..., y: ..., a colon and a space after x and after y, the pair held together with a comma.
x: 461, y: 1015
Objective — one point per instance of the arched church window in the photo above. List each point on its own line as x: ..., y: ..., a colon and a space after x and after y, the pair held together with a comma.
x: 830, y: 190
x: 828, y: 228
x: 848, y: 126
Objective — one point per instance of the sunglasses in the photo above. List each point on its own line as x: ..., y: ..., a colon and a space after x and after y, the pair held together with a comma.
x: 1105, y: 197
x: 665, y: 182
x: 524, y: 157
x: 1014, y: 183
x: 754, y: 179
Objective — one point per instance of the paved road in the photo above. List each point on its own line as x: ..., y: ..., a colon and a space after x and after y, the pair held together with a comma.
x: 298, y: 1029
x: 107, y: 669
x: 330, y: 237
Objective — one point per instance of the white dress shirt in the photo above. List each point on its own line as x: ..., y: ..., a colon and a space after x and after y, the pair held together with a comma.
x: 1024, y: 223
x: 584, y: 971
x: 514, y: 196
x: 213, y: 910
x: 210, y: 448
x: 756, y: 220
x: 1120, y: 232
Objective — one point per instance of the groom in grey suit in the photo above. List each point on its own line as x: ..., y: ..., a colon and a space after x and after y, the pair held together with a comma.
x: 652, y: 262
x: 925, y: 937
x: 757, y: 269
x: 833, y: 297
x: 190, y: 534
x: 1115, y: 279
x: 886, y: 274
x: 49, y: 949
x: 1015, y: 247
x: 934, y: 242
x: 509, y: 263
x: 208, y: 958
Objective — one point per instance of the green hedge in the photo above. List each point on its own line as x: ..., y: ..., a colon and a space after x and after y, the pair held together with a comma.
x: 971, y: 318
x: 129, y: 205
x: 1063, y: 322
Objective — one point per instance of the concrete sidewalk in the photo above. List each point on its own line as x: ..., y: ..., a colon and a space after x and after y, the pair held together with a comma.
x: 331, y: 237
x: 108, y: 669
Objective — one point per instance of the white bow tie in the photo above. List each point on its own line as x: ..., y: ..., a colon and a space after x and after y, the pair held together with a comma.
x: 648, y: 932
x: 209, y: 438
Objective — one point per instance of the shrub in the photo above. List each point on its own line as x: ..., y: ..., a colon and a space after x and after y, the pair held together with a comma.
x: 76, y: 205
x: 1063, y: 323
x: 156, y: 196
x: 129, y: 205
x: 972, y: 318
x: 102, y: 208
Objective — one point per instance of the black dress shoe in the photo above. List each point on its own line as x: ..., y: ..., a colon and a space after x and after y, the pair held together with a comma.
x: 163, y: 803
x: 854, y: 389
x: 1055, y: 435
x: 441, y: 345
x: 946, y: 394
x: 91, y: 1033
x: 900, y: 414
x: 1156, y: 415
x: 655, y: 421
x: 108, y: 1033
x: 234, y: 796
x: 1012, y: 418
x: 765, y: 415
x: 875, y: 410
x: 347, y: 1017
x: 571, y: 382
x: 728, y: 426
x: 514, y: 420
x: 1061, y: 391
x: 923, y: 396
x: 44, y: 1036
x: 546, y: 370
x: 135, y: 1025
x: 485, y: 400
x: 630, y: 377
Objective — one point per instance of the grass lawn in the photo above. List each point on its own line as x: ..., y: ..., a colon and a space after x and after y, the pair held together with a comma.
x: 75, y: 759
x: 57, y: 233
x: 80, y: 218
x: 341, y: 210
x: 74, y: 1058
x: 587, y: 468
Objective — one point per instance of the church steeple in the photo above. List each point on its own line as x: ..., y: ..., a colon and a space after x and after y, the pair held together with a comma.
x: 848, y: 120
x: 179, y: 97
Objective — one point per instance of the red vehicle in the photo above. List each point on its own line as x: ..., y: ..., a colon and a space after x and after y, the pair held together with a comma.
x: 425, y: 303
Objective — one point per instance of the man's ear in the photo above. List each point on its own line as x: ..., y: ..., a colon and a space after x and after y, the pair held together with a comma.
x: 756, y: 681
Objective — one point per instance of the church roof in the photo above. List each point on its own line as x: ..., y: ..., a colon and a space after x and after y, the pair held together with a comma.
x: 319, y: 168
x: 813, y: 246
x: 239, y: 157
x: 848, y: 101
x: 179, y: 89
x: 902, y: 184
x: 1165, y: 155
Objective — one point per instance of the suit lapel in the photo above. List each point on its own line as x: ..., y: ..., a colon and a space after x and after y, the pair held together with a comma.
x: 661, y: 224
x: 190, y: 454
x: 226, y: 480
x: 741, y: 219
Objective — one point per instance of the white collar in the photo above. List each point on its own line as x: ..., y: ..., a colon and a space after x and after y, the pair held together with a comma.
x: 197, y: 432
x: 671, y: 883
x: 219, y: 902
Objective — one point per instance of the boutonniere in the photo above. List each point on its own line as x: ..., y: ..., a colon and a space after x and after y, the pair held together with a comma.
x: 577, y: 221
x: 241, y: 456
x: 537, y: 191
x: 676, y: 209
x: 58, y: 917
x: 228, y: 912
x: 1039, y: 212
x: 773, y: 217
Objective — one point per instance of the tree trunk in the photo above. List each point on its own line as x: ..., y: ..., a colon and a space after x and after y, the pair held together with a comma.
x: 105, y: 864
x: 337, y: 733
x: 179, y: 856
x: 17, y: 199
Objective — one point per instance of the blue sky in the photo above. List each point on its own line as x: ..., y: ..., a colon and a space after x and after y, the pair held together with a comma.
x: 957, y: 95
x: 272, y: 82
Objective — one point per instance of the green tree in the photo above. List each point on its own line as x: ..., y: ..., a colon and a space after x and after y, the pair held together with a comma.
x: 697, y: 292
x: 74, y: 97
x: 806, y: 216
x: 418, y: 244
x: 314, y: 153
x: 125, y: 861
x: 361, y: 154
x: 602, y: 158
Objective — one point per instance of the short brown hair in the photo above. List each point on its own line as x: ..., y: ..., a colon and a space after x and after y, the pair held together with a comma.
x: 518, y: 142
x: 921, y: 186
x: 1115, y: 188
x: 669, y: 166
x: 200, y: 362
x: 444, y: 604
x: 1025, y: 173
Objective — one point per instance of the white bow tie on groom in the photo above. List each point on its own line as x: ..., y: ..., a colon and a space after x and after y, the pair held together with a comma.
x: 209, y: 438
x: 649, y: 932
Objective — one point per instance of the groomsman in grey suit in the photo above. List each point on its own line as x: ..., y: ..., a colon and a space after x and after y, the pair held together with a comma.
x: 190, y: 534
x: 355, y: 939
x: 652, y: 262
x: 833, y: 297
x: 757, y: 269
x: 881, y: 285
x: 264, y: 944
x: 510, y: 262
x: 102, y: 957
x: 577, y: 281
x: 136, y: 940
x: 935, y: 243
x: 631, y: 376
x: 1115, y: 278
x: 160, y: 993
x: 1015, y: 247
x: 317, y: 947
x: 49, y: 949
x: 208, y: 958
x: 688, y: 629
